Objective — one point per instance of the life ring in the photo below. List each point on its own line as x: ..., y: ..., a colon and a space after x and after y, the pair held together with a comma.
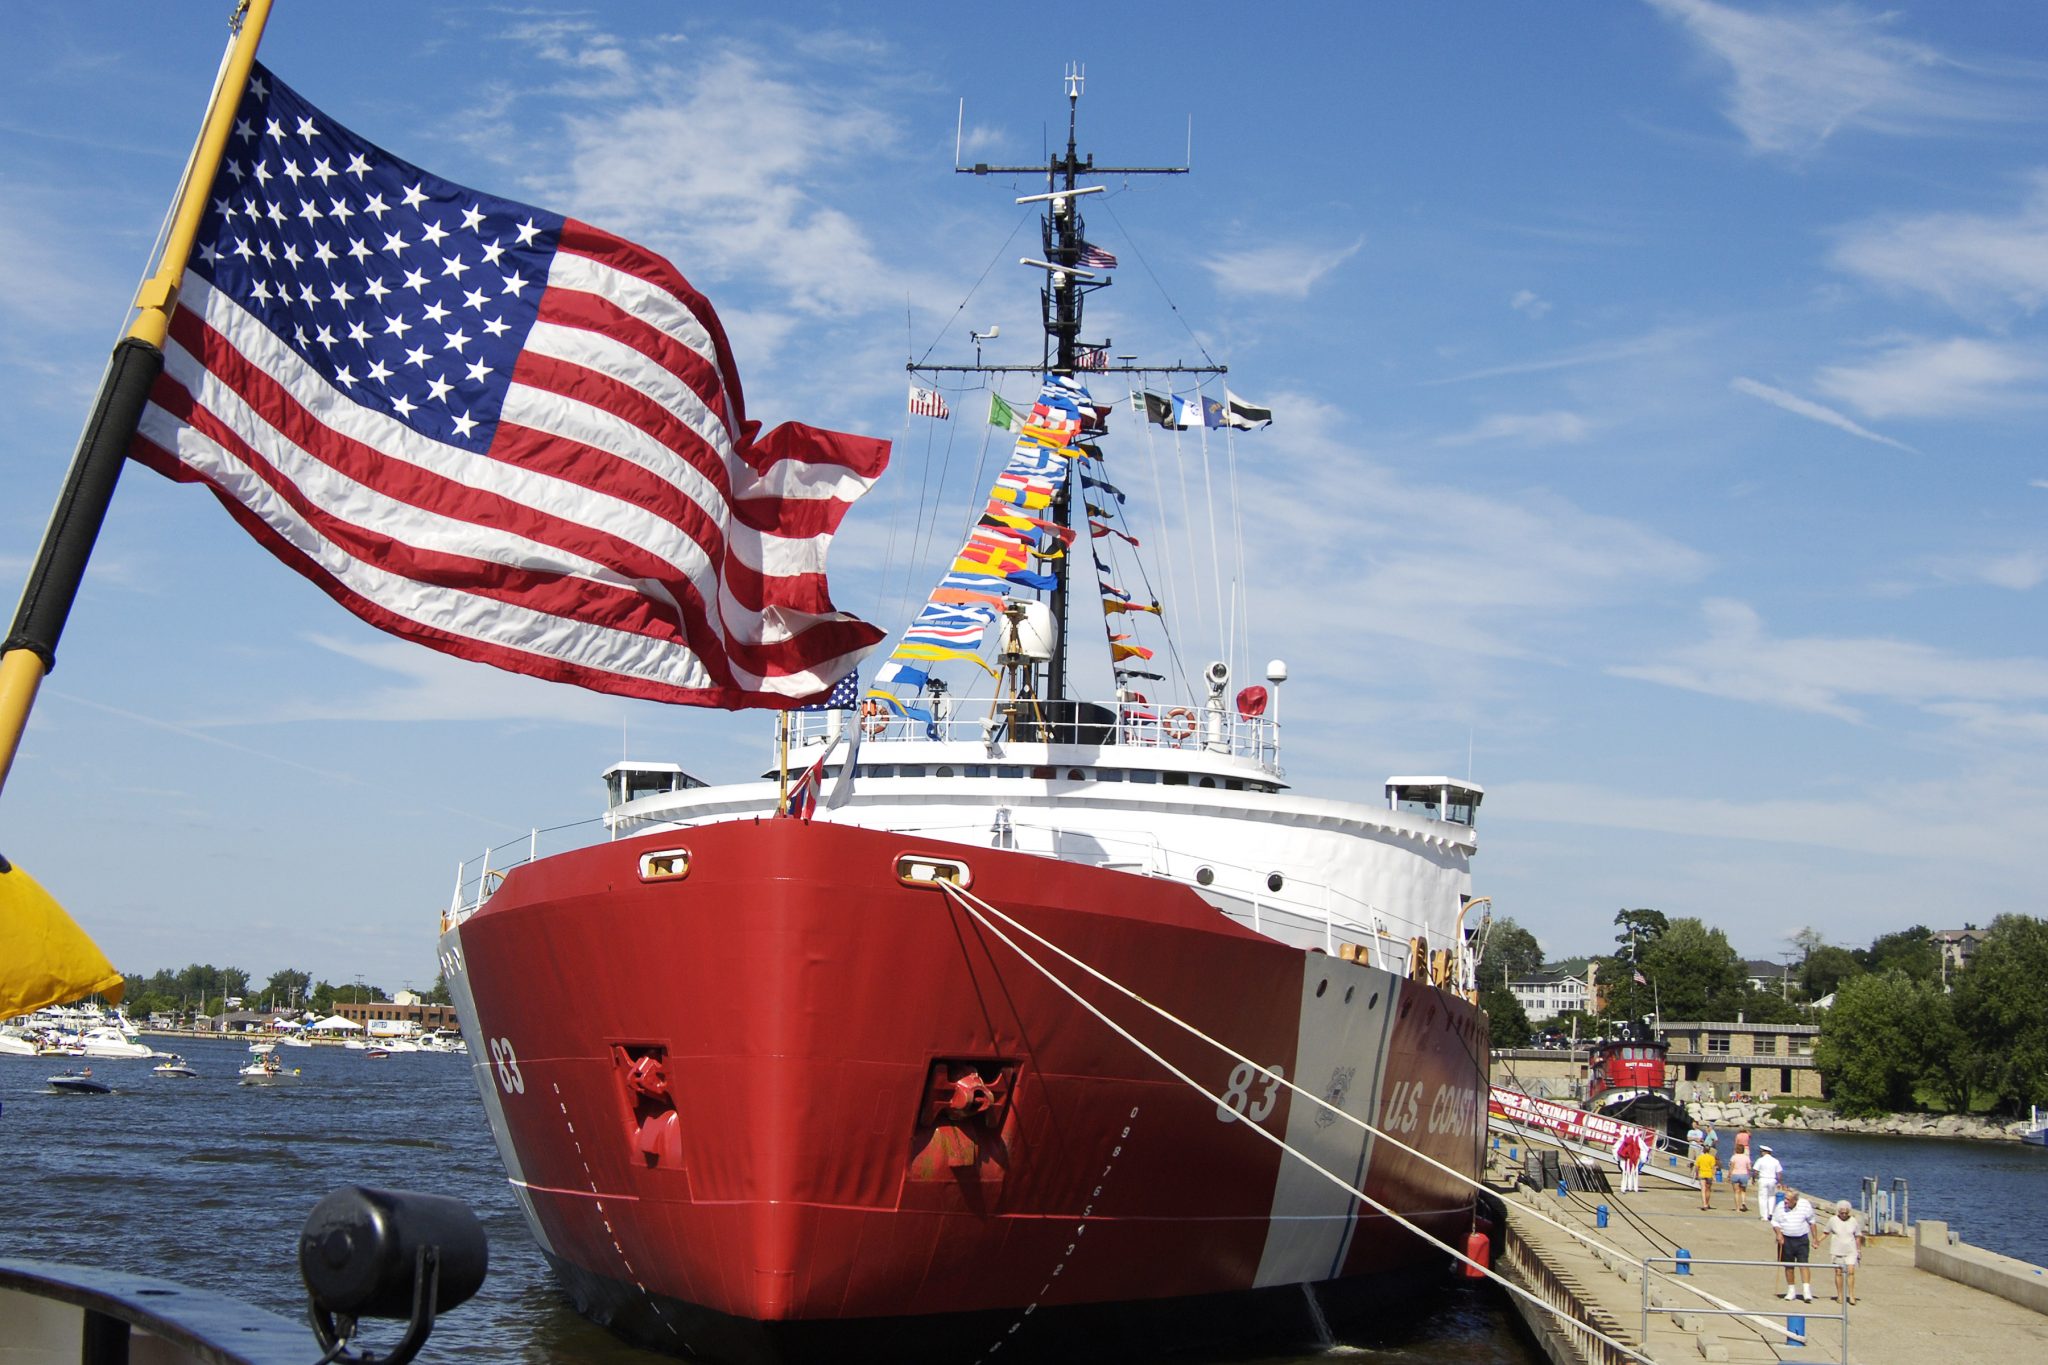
x: 874, y: 718
x: 1180, y: 723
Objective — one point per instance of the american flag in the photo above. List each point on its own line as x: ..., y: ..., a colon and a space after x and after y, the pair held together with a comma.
x: 929, y: 403
x: 494, y: 430
x: 1094, y: 257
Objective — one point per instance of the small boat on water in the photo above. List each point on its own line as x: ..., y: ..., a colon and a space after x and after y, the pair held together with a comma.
x: 376, y: 1054
x: 263, y: 1047
x: 267, y: 1070
x: 79, y: 1083
x: 2036, y: 1134
x: 174, y: 1065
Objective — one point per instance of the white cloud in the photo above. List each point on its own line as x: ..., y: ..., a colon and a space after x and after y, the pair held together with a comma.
x: 1524, y: 428
x: 1803, y: 75
x: 1831, y: 675
x: 742, y: 148
x: 1428, y: 562
x: 2020, y: 571
x: 1658, y: 342
x: 1802, y: 407
x: 433, y: 686
x: 1526, y: 302
x: 1282, y: 270
x: 1921, y: 377
x: 1970, y: 261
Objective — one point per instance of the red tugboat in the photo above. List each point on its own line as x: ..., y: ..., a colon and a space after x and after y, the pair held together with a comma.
x: 916, y: 1057
x: 1629, y: 1080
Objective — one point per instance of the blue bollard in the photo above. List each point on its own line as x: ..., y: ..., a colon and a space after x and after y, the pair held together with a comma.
x: 1561, y: 1188
x: 1684, y: 1259
x: 1795, y: 1330
x: 1496, y: 1144
x: 1599, y: 1215
x: 1514, y: 1154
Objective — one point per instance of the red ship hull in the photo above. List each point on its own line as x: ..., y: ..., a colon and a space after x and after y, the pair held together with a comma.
x: 786, y: 1102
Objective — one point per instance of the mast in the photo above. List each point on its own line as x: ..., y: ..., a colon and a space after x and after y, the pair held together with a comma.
x: 1067, y: 284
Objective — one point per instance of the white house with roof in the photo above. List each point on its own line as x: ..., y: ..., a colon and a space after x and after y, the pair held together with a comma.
x: 1548, y: 994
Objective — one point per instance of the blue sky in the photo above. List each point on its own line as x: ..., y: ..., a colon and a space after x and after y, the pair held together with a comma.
x: 1659, y: 394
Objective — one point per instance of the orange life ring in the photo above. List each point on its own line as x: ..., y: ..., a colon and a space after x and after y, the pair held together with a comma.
x: 874, y: 718
x: 1180, y: 722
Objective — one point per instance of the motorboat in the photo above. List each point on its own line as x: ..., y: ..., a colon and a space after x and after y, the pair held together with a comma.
x: 174, y: 1065
x: 79, y: 1083
x: 267, y: 1070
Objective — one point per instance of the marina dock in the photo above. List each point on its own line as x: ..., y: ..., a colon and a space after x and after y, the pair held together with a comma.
x: 1903, y: 1315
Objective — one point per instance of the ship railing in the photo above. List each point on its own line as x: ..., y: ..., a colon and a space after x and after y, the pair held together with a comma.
x: 1381, y: 937
x: 477, y: 878
x: 1136, y: 724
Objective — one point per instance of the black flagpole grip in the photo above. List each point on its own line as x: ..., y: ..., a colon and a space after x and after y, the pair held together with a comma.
x: 75, y: 525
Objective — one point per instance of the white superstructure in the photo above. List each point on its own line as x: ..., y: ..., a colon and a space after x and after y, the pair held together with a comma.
x: 1193, y: 796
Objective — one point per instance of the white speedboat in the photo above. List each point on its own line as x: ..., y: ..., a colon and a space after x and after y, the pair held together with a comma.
x: 113, y: 1042
x: 15, y: 1045
x: 266, y: 1070
x: 263, y: 1047
x: 174, y: 1065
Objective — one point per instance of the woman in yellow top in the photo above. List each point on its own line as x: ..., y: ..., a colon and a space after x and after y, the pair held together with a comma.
x: 1703, y: 1166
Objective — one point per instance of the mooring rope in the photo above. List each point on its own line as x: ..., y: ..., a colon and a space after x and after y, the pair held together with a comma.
x: 973, y: 909
x: 976, y: 906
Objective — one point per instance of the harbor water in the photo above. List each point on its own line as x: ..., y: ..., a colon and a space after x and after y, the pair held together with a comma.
x: 207, y: 1182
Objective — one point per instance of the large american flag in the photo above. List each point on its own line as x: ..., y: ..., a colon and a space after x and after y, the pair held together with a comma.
x: 494, y: 430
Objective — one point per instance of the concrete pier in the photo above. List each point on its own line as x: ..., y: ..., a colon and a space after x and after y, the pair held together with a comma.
x: 1904, y: 1315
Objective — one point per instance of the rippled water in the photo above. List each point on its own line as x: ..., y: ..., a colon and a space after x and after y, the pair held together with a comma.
x: 207, y: 1182
x: 1993, y: 1194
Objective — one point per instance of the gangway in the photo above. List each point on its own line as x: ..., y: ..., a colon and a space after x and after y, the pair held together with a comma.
x: 1588, y: 1136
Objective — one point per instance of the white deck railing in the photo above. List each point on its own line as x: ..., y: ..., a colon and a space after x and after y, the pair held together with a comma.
x: 1139, y: 725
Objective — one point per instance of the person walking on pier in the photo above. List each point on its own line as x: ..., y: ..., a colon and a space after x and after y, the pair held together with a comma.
x: 1703, y: 1167
x: 1738, y: 1175
x: 1845, y: 1248
x: 1768, y: 1170
x: 1793, y: 1223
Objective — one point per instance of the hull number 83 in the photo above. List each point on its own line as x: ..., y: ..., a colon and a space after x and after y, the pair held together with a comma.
x: 506, y: 1062
x: 1239, y: 1101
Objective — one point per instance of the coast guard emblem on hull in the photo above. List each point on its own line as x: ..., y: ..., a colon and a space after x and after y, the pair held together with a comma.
x: 1334, y: 1093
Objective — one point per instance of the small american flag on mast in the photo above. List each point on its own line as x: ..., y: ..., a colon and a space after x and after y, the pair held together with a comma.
x: 929, y: 403
x: 1093, y: 257
x: 496, y: 431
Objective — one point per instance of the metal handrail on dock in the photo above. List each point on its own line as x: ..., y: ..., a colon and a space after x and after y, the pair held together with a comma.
x: 1683, y: 1267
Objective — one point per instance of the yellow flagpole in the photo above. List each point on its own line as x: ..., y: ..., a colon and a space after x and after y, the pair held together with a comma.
x: 31, y: 647
x: 51, y: 960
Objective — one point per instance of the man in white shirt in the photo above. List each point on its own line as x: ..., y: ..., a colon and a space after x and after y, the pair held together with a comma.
x: 1793, y: 1222
x: 1767, y: 1170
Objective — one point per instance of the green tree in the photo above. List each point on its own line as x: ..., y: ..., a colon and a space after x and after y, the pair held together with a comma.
x: 1911, y: 951
x: 1826, y: 968
x: 1871, y: 1050
x: 1511, y: 951
x: 287, y: 988
x: 1507, y: 1021
x: 439, y: 994
x: 2001, y: 1008
x: 1696, y: 972
x: 1951, y: 1063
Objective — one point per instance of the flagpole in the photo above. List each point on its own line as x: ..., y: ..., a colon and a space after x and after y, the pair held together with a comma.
x: 30, y: 649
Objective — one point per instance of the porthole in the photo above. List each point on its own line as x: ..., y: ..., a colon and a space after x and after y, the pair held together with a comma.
x: 1076, y: 775
x: 1349, y: 991
x: 1322, y: 986
x: 943, y: 770
x: 1205, y: 876
x: 1274, y: 881
x: 1373, y: 1003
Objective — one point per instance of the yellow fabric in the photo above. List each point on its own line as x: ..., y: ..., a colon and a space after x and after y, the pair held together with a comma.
x: 45, y: 958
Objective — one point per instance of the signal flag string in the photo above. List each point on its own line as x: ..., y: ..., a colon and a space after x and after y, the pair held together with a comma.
x: 981, y: 910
